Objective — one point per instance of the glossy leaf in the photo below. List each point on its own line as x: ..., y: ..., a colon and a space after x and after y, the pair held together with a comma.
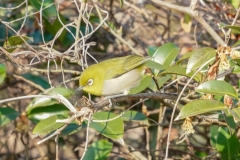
x: 2, y: 73
x: 227, y: 144
x: 48, y: 12
x: 217, y: 88
x: 230, y: 121
x: 236, y: 113
x: 199, y: 57
x: 154, y: 65
x: 199, y: 107
x: 151, y: 50
x: 61, y: 90
x: 11, y: 43
x: 41, y: 102
x: 234, y: 29
x: 135, y: 116
x: 7, y: 115
x: 179, y: 70
x: 99, y: 150
x: 112, y: 129
x: 213, y: 135
x: 166, y: 54
x: 71, y: 129
x: 144, y: 83
x: 185, y: 56
x: 40, y: 113
x: 163, y: 79
x: 48, y: 125
x: 37, y: 80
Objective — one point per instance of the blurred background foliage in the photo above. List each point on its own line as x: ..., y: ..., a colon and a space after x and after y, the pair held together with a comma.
x: 142, y: 24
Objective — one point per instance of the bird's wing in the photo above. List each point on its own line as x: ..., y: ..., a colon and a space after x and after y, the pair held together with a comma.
x: 133, y: 61
x: 127, y: 64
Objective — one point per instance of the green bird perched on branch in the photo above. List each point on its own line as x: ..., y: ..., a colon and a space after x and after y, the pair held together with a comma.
x: 113, y: 76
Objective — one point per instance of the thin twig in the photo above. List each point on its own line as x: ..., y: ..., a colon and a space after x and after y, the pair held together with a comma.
x: 227, y: 35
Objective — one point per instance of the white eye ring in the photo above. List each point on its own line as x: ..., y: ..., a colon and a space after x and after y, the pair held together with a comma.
x: 90, y: 82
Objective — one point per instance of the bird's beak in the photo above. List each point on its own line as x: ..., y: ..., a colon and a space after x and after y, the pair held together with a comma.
x: 79, y: 89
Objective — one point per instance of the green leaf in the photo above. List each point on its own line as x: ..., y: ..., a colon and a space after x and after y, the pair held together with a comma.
x: 201, y: 154
x: 199, y: 107
x: 239, y: 83
x: 154, y: 65
x: 41, y: 102
x: 236, y: 60
x: 187, y: 18
x: 236, y: 44
x: 236, y: 113
x: 7, y: 115
x: 48, y: 125
x: 199, y: 57
x: 37, y: 80
x: 180, y: 70
x: 54, y: 28
x: 185, y: 56
x: 230, y: 121
x: 236, y: 69
x: 217, y: 87
x: 111, y: 25
x: 72, y: 128
x: 11, y: 43
x: 234, y: 29
x: 121, y: 2
x: 222, y: 25
x: 2, y: 73
x: 99, y: 150
x: 67, y: 93
x: 112, y: 129
x: 47, y: 12
x: 163, y: 79
x: 235, y: 3
x: 213, y: 135
x: 227, y: 145
x: 40, y: 113
x: 166, y: 54
x: 135, y: 116
x: 152, y: 50
x: 144, y: 83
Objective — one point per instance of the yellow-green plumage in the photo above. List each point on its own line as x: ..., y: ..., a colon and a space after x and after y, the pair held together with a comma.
x: 113, y: 76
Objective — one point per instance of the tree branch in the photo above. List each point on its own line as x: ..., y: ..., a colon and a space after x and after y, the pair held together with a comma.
x: 156, y: 96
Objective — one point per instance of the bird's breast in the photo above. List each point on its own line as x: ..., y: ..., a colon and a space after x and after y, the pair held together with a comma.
x: 122, y: 83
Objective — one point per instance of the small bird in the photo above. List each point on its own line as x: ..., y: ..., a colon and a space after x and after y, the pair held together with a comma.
x: 113, y: 76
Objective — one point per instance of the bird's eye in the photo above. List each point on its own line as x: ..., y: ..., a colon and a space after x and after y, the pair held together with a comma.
x: 90, y: 82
